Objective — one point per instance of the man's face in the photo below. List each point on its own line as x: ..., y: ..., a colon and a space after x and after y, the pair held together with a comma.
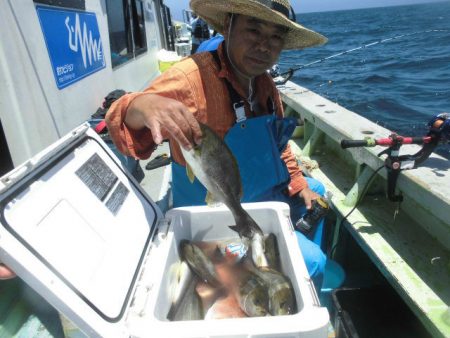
x: 254, y: 44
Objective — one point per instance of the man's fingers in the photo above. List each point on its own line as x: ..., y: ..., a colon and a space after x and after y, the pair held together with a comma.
x: 182, y: 140
x: 194, y: 126
x: 155, y: 129
x: 308, y: 204
x: 176, y: 131
x: 308, y: 195
x: 169, y: 117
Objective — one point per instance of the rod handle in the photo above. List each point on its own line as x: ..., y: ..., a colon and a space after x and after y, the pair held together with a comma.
x: 354, y: 143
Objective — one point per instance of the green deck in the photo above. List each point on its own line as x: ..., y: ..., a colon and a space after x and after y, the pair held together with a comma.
x: 24, y: 314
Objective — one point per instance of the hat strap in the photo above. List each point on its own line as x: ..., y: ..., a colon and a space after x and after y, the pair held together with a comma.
x: 275, y: 6
x: 294, y: 17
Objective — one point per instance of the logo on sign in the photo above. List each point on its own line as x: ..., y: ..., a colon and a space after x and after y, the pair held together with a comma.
x: 88, y: 46
x: 73, y: 43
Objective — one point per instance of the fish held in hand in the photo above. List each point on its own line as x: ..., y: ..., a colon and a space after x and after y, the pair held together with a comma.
x: 214, y: 165
x: 199, y: 263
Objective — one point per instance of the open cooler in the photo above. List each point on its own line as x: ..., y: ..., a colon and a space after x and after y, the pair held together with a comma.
x: 82, y: 232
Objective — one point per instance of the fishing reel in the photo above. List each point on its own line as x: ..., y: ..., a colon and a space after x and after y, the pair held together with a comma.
x: 440, y: 126
x: 439, y: 132
x: 278, y: 78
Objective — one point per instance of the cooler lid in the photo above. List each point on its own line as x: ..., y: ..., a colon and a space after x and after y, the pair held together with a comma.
x: 77, y: 227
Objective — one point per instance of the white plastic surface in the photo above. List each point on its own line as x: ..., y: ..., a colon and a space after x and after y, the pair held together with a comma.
x: 78, y: 232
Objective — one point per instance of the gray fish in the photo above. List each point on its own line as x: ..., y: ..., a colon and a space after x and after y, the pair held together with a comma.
x: 190, y: 305
x: 199, y: 263
x: 216, y: 168
x: 271, y: 252
x: 181, y: 277
x: 252, y: 295
x: 280, y: 291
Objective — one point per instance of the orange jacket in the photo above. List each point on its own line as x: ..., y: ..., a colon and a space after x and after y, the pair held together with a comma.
x: 197, y: 82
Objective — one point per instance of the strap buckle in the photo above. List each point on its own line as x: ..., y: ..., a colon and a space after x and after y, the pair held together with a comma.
x: 239, y: 110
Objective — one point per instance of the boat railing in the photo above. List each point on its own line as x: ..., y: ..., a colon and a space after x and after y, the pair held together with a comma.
x: 409, y: 242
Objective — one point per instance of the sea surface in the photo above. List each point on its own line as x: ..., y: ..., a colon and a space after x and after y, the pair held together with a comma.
x: 399, y: 84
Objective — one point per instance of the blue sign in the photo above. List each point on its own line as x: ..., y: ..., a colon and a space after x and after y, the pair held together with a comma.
x: 73, y: 42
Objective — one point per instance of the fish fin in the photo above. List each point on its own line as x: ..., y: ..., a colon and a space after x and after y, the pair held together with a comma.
x: 190, y: 174
x: 217, y: 255
x: 172, y: 311
x: 234, y: 228
x: 211, y: 201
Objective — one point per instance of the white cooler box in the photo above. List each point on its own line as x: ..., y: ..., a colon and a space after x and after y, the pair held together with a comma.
x: 83, y: 234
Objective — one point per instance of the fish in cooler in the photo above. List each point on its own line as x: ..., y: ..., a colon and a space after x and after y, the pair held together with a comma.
x: 230, y: 288
x: 200, y: 264
x: 279, y: 289
x: 271, y: 251
x: 190, y: 305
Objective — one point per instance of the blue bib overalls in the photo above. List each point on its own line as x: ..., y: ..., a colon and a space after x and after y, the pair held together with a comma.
x: 257, y: 144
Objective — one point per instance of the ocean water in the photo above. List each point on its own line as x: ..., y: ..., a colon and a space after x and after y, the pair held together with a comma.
x: 399, y: 84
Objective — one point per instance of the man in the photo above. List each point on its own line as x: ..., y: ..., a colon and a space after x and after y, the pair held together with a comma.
x: 230, y: 91
x: 200, y: 33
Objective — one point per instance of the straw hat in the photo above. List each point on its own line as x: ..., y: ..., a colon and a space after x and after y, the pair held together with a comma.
x: 276, y: 11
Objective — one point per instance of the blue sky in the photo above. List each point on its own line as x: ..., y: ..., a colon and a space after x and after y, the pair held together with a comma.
x: 304, y: 6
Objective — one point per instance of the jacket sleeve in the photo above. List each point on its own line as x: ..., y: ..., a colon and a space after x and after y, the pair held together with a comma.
x: 174, y: 84
x: 134, y: 143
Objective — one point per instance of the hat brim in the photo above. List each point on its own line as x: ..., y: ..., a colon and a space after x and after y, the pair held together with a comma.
x: 214, y: 13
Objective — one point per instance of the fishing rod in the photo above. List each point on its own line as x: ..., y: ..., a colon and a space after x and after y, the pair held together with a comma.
x: 438, y: 133
x: 285, y: 76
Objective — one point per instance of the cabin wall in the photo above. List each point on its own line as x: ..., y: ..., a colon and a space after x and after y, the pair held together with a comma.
x: 34, y: 113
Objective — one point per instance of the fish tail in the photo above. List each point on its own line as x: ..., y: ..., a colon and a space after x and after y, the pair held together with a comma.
x: 172, y: 312
x: 243, y: 225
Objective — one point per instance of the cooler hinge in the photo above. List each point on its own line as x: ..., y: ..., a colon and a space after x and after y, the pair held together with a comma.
x: 162, y: 227
x: 145, y: 285
x: 143, y: 288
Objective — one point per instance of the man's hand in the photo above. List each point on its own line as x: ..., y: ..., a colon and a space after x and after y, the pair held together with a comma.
x: 5, y: 272
x: 308, y: 196
x: 164, y: 117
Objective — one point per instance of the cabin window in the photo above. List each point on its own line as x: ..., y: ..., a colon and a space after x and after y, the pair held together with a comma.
x: 126, y: 24
x: 73, y: 4
x: 6, y: 163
